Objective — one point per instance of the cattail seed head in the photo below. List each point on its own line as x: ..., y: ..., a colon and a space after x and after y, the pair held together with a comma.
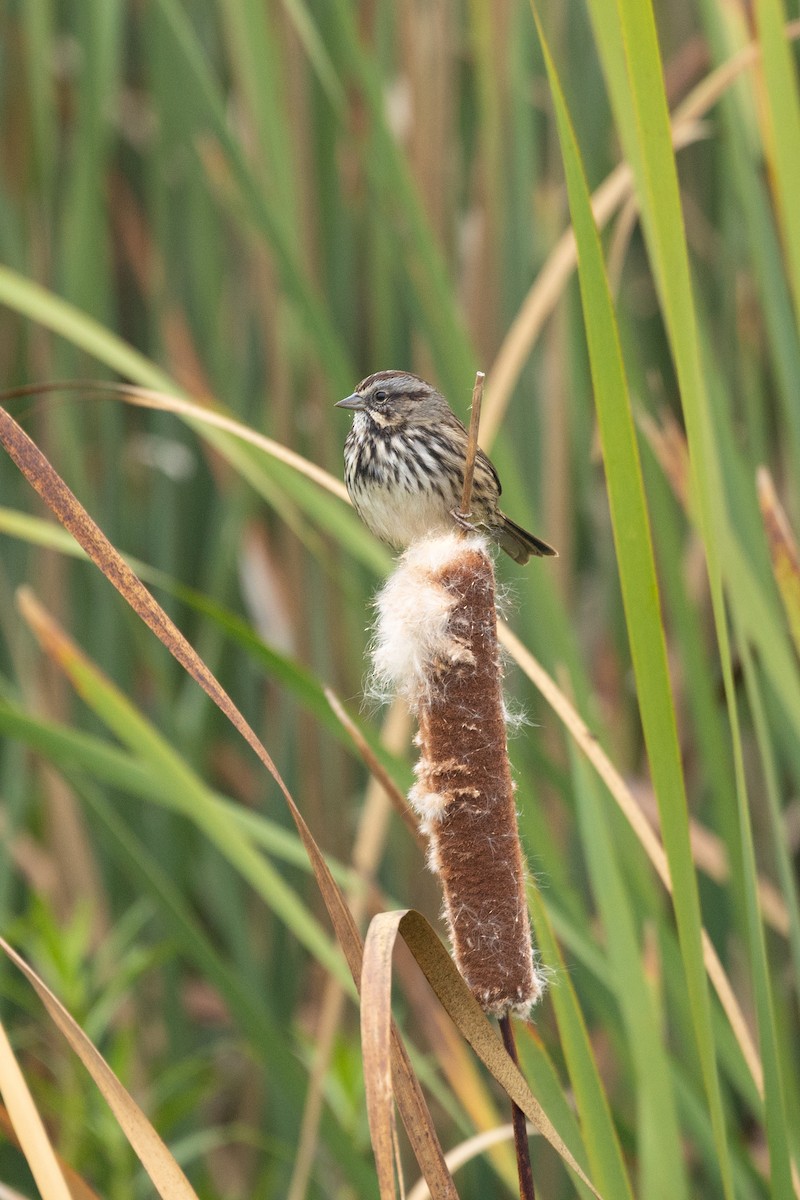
x: 436, y: 644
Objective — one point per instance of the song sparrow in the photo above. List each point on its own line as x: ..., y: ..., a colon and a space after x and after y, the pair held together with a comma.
x: 404, y: 467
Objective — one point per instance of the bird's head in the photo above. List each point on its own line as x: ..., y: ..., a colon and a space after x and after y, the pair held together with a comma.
x: 392, y: 398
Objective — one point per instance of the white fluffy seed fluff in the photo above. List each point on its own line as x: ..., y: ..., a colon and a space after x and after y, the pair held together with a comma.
x: 413, y: 614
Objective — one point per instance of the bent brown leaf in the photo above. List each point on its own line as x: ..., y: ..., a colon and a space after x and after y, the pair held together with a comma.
x: 454, y: 995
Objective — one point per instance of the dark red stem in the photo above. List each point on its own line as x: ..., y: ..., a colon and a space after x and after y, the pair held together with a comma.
x: 524, y: 1168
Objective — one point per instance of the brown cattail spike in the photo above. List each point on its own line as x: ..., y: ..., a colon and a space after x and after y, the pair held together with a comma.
x: 437, y: 641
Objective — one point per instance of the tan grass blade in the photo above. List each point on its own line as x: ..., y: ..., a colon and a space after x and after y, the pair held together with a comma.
x: 668, y: 443
x: 546, y: 291
x: 440, y: 971
x: 78, y: 1187
x: 154, y: 1156
x: 29, y: 1127
x: 711, y: 857
x: 61, y: 501
x: 613, y: 191
x: 587, y: 742
x: 205, y: 414
x: 782, y: 550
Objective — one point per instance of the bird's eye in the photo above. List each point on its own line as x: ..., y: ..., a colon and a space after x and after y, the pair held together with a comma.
x: 381, y: 396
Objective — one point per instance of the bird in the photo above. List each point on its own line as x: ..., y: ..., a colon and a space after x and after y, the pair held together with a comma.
x: 404, y: 468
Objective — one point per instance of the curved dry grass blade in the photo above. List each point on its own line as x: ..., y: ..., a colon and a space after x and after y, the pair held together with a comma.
x: 711, y: 857
x: 460, y: 1069
x: 204, y: 413
x: 612, y: 192
x: 29, y: 1127
x: 61, y: 501
x: 454, y: 995
x: 782, y: 550
x: 376, y: 1023
x: 417, y: 1121
x: 547, y: 288
x: 154, y: 1156
x: 622, y: 794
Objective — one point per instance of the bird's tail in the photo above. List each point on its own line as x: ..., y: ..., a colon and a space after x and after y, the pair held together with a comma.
x: 520, y: 544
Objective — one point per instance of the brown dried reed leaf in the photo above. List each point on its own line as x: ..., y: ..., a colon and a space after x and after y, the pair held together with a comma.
x: 28, y: 1128
x: 782, y: 550
x: 456, y: 998
x: 154, y: 1156
x: 376, y: 1022
x: 588, y: 743
x: 66, y: 507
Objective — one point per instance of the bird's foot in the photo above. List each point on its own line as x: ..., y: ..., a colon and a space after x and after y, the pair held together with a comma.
x: 466, y: 521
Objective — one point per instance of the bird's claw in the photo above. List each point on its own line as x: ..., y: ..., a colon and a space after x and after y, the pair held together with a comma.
x: 465, y: 521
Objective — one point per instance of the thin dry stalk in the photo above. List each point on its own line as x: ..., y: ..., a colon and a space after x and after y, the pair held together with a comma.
x: 472, y: 443
x: 524, y: 1167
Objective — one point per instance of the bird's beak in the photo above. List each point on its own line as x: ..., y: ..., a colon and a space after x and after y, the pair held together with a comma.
x: 355, y: 403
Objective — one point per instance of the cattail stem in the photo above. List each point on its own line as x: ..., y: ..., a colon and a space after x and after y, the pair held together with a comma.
x: 524, y: 1167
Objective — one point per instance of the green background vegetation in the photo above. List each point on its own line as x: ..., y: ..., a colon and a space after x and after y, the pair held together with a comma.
x: 254, y: 204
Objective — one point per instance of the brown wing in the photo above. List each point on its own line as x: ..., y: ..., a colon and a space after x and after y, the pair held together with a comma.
x: 486, y: 462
